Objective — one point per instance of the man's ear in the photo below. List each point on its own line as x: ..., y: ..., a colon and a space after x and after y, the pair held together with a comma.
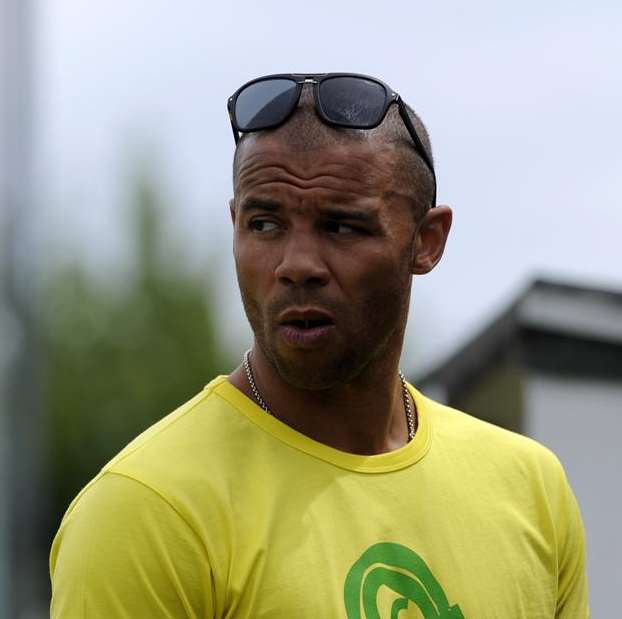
x: 430, y: 238
x: 232, y: 210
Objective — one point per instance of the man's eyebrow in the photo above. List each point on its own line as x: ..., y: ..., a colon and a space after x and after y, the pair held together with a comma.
x: 337, y: 213
x: 256, y: 204
x: 349, y: 214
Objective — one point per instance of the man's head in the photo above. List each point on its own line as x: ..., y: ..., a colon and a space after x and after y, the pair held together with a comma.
x: 330, y: 225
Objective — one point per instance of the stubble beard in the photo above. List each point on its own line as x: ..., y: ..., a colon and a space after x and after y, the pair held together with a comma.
x: 365, y: 336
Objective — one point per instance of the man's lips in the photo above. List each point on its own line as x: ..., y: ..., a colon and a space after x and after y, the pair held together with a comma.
x: 305, y: 328
x: 306, y: 318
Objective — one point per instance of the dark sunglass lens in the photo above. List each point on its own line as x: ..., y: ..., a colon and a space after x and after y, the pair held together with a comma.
x: 265, y: 104
x: 352, y: 101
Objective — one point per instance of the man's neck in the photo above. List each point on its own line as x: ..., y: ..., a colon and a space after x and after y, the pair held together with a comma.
x: 366, y: 416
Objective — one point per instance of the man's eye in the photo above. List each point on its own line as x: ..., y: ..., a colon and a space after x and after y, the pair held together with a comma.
x: 263, y: 225
x: 336, y: 227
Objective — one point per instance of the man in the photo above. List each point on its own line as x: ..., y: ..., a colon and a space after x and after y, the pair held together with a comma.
x: 313, y: 481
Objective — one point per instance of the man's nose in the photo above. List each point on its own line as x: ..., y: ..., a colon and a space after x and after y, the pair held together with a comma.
x: 302, y: 264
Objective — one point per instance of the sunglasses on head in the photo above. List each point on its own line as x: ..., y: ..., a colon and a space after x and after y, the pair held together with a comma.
x: 341, y: 99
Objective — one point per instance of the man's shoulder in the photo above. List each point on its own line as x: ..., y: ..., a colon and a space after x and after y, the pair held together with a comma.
x: 188, y: 444
x: 156, y: 476
x: 475, y: 439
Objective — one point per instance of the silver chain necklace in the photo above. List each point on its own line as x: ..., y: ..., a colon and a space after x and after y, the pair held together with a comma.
x: 410, y: 416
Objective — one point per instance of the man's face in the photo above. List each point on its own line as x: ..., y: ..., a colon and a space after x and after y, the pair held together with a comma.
x: 323, y: 251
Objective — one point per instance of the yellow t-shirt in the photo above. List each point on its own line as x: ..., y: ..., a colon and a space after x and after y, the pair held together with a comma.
x: 220, y: 510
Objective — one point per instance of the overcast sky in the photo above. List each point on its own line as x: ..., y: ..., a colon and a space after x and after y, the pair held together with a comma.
x: 522, y: 102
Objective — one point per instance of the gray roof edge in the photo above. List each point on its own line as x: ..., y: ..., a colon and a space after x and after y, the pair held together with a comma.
x: 576, y: 287
x: 476, y: 352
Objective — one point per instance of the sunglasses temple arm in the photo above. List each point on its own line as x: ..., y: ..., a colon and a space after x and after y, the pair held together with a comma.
x: 418, y: 144
x: 236, y: 135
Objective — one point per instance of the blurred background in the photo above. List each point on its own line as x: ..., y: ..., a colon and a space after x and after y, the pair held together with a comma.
x: 118, y: 294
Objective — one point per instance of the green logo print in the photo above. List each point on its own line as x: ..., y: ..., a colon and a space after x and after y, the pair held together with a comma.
x: 404, y: 572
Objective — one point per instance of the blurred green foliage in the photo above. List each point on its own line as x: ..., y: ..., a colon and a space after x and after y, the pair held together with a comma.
x: 120, y: 356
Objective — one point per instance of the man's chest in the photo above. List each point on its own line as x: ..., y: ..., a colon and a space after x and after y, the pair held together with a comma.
x: 384, y: 554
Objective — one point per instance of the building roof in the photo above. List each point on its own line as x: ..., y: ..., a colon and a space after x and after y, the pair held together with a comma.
x: 551, y: 326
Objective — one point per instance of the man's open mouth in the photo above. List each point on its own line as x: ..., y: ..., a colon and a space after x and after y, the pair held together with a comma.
x: 312, y: 323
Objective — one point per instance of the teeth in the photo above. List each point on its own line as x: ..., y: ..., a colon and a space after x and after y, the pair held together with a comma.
x: 306, y: 324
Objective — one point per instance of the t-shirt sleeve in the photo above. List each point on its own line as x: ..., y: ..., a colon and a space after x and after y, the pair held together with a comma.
x: 123, y: 551
x: 572, y: 588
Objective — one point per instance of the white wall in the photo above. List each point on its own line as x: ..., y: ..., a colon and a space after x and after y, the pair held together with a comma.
x: 581, y: 421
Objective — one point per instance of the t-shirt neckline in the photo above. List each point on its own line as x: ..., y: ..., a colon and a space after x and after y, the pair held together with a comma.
x: 394, y: 460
